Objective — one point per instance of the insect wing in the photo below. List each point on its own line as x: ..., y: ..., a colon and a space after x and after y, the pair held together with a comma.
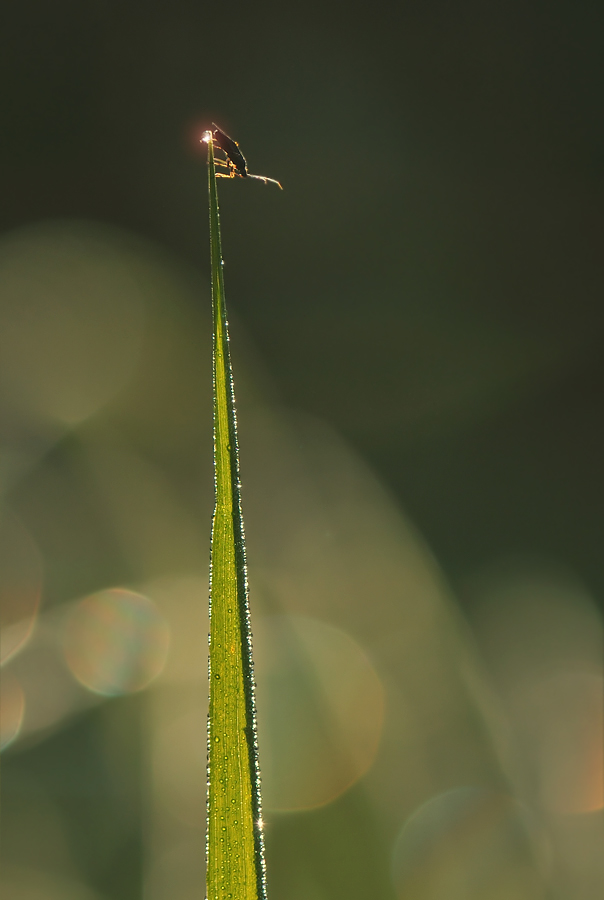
x: 231, y: 148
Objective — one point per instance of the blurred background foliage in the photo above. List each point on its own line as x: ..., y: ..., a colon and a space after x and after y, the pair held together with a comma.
x: 417, y: 332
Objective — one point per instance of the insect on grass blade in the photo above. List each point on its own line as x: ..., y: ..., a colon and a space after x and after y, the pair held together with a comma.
x: 235, y: 845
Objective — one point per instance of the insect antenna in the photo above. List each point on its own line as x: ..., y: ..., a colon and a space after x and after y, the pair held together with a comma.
x: 265, y: 179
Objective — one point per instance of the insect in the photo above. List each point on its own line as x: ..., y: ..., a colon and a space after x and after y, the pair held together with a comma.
x: 235, y: 160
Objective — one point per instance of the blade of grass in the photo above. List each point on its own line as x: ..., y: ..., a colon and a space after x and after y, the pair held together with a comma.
x: 235, y: 846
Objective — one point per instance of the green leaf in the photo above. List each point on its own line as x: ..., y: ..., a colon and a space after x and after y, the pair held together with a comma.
x: 235, y: 846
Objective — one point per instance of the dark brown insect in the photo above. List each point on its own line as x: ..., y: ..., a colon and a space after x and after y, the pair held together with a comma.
x: 235, y: 161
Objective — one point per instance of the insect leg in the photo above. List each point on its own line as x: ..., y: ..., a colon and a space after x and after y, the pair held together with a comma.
x: 228, y: 165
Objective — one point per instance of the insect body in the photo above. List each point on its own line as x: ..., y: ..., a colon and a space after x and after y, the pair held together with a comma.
x: 235, y: 160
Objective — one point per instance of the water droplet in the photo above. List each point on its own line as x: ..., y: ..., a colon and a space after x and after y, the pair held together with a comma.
x: 217, y: 676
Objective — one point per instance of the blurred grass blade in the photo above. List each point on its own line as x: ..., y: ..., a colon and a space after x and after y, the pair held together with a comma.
x: 235, y: 847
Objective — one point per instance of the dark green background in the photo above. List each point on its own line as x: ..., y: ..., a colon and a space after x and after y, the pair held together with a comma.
x: 430, y: 280
x: 443, y: 168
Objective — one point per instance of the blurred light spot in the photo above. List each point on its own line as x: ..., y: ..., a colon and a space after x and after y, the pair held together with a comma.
x: 320, y: 711
x: 20, y: 585
x: 468, y: 843
x: 71, y: 319
x: 566, y: 722
x: 116, y: 642
x: 12, y: 707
